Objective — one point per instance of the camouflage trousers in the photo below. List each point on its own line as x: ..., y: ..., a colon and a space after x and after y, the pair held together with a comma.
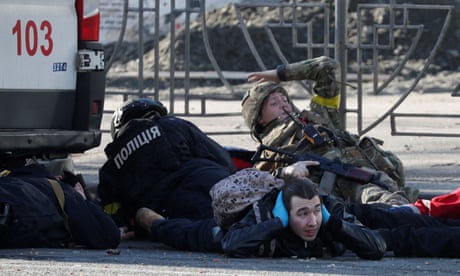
x: 358, y: 193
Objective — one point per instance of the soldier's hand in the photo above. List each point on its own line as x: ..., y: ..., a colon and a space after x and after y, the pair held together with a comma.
x: 268, y: 75
x: 298, y: 169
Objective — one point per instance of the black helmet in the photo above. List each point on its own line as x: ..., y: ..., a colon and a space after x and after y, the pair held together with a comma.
x: 139, y: 108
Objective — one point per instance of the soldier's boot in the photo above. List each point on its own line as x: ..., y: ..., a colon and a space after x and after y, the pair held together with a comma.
x: 411, y: 192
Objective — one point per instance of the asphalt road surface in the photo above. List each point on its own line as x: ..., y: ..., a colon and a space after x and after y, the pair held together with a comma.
x: 147, y: 258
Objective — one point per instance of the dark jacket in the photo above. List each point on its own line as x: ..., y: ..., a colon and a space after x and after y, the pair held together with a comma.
x: 152, y: 157
x: 26, y: 189
x: 269, y: 238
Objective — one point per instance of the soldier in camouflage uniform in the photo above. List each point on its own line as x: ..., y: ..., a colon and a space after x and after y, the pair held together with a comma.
x: 265, y: 109
x: 323, y: 71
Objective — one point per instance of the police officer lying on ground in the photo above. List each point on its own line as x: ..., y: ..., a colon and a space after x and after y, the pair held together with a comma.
x: 161, y: 162
x: 39, y: 210
x: 275, y: 121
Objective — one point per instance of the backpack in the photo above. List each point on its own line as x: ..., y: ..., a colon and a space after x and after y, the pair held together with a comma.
x: 234, y: 195
x: 28, y: 217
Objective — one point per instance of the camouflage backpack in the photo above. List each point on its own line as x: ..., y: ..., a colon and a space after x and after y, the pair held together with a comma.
x: 235, y: 194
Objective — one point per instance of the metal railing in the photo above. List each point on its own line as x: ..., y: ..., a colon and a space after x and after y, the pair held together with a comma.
x: 367, y: 49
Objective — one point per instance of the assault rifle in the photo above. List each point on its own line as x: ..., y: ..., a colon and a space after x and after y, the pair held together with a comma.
x: 329, y: 169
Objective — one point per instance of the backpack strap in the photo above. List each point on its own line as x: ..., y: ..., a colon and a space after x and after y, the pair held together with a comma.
x: 61, y: 199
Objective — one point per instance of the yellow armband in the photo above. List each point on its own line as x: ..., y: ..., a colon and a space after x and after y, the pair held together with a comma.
x: 327, y: 102
x: 112, y: 208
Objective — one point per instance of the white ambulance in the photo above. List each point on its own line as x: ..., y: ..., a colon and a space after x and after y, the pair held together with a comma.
x: 52, y: 79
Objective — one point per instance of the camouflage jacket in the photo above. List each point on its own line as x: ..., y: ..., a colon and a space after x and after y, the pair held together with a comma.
x: 289, y: 136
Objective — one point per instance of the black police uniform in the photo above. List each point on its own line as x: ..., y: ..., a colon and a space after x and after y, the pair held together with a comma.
x: 164, y: 163
x: 88, y: 224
